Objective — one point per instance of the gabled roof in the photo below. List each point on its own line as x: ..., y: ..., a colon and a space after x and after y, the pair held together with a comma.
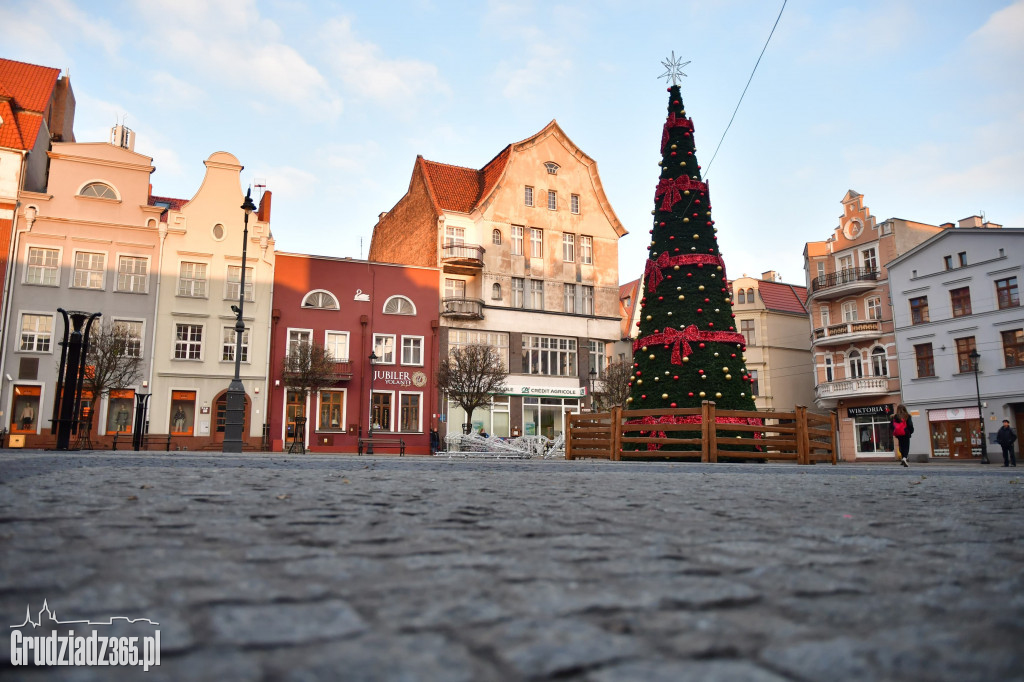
x: 25, y: 92
x: 459, y: 189
x: 784, y: 298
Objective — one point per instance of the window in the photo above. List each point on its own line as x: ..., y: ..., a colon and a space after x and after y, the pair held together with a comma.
x: 89, y: 269
x: 856, y: 365
x: 569, y: 296
x: 518, y: 292
x: 1013, y: 348
x: 380, y: 411
x: 192, y: 280
x: 750, y: 295
x: 552, y: 200
x: 925, y: 360
x: 454, y: 236
x: 320, y: 300
x: 517, y: 240
x: 529, y: 196
x: 551, y: 167
x: 845, y: 263
x: 36, y: 333
x: 824, y: 311
x: 741, y: 296
x: 586, y: 250
x: 412, y: 350
x: 569, y: 247
x: 132, y: 332
x: 961, y: 301
x: 296, y: 338
x: 384, y: 348
x: 536, y: 295
x: 919, y: 310
x: 549, y: 355
x: 869, y: 259
x: 850, y: 311
x: 400, y: 305
x: 464, y: 337
x: 536, y: 243
x: 1006, y: 292
x: 829, y: 374
x: 227, y: 352
x: 821, y: 268
x: 454, y: 288
x: 879, y: 362
x: 132, y: 274
x: 962, y: 257
x: 188, y: 342
x: 747, y: 329
x: 588, y: 300
x: 336, y: 344
x: 234, y: 280
x: 496, y: 236
x: 99, y: 190
x: 495, y: 292
x: 947, y: 261
x: 409, y: 416
x: 754, y: 388
x: 574, y: 203
x: 43, y: 266
x: 598, y: 357
x: 874, y: 305
x: 964, y: 348
x: 332, y: 411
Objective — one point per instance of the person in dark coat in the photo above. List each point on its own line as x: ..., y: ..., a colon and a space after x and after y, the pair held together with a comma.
x: 902, y: 429
x: 1006, y: 437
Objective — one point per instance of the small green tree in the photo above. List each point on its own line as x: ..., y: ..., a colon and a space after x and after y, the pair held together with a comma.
x: 470, y: 375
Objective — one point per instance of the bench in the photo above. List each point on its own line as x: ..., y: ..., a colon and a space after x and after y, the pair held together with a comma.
x: 147, y: 440
x: 383, y: 443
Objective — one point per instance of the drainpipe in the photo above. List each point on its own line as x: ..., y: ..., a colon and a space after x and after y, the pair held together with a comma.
x: 9, y: 275
x: 156, y: 306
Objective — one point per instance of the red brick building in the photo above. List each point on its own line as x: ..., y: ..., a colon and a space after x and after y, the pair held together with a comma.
x: 353, y: 307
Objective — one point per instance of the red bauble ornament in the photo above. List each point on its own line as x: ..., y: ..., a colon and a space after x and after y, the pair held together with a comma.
x: 676, y: 377
x: 673, y: 404
x: 690, y: 394
x: 700, y: 310
x: 701, y: 345
x: 711, y: 324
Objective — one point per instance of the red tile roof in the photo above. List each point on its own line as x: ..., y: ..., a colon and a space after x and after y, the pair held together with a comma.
x: 25, y: 92
x: 461, y: 189
x: 786, y: 298
x: 173, y: 204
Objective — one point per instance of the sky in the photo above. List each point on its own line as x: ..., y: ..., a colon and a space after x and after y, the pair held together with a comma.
x: 916, y: 104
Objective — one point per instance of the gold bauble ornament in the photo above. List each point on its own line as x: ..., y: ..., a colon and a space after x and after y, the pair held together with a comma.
x: 728, y: 376
x: 648, y: 318
x: 664, y: 396
x: 686, y: 220
x: 702, y: 394
x: 718, y: 395
x: 651, y: 356
x: 681, y: 297
x: 696, y: 236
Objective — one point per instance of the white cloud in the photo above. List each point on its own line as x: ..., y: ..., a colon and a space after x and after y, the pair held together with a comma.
x: 40, y: 30
x: 1003, y: 30
x: 295, y: 183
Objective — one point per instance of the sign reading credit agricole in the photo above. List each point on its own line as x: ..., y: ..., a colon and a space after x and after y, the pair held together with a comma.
x: 566, y: 391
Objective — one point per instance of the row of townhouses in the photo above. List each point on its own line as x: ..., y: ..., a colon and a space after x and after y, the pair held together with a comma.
x: 521, y: 254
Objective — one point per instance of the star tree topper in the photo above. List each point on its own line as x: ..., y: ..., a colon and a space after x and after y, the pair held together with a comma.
x: 673, y: 69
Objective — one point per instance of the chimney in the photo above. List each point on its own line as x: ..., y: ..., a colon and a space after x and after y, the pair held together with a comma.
x: 263, y: 214
x: 122, y: 136
x: 770, y: 276
x: 970, y: 221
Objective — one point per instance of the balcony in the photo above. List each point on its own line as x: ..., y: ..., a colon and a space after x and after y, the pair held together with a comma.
x: 341, y: 371
x: 847, y: 332
x: 844, y: 283
x: 464, y: 308
x: 462, y: 259
x: 829, y: 393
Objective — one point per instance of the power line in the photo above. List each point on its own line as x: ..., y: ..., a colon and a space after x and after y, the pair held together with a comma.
x: 706, y: 173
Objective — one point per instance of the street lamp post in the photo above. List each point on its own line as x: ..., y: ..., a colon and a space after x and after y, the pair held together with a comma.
x: 976, y: 363
x: 369, y: 445
x: 593, y: 380
x: 234, y: 418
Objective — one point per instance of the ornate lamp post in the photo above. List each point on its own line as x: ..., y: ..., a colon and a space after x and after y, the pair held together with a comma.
x: 234, y: 418
x: 975, y: 357
x: 369, y: 446
x: 593, y: 381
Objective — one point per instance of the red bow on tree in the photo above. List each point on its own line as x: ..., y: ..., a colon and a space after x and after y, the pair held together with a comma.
x: 674, y: 121
x: 680, y: 340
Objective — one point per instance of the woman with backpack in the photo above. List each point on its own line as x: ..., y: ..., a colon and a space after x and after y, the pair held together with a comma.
x: 902, y: 429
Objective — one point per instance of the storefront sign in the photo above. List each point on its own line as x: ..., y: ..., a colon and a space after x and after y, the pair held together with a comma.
x: 552, y: 391
x: 392, y: 378
x: 868, y: 410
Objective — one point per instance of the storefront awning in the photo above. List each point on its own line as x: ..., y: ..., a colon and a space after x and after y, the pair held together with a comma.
x: 953, y: 414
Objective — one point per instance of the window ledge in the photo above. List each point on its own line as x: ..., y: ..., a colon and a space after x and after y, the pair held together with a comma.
x: 925, y: 378
x: 1015, y: 368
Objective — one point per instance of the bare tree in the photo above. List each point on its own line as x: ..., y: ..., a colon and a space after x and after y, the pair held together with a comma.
x: 470, y: 375
x: 308, y: 367
x: 614, y: 387
x: 114, y: 359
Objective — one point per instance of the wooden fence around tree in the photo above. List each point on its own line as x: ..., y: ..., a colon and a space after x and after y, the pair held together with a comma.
x: 705, y: 432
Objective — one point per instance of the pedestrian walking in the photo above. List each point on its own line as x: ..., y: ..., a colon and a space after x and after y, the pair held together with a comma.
x: 902, y: 429
x: 1006, y: 438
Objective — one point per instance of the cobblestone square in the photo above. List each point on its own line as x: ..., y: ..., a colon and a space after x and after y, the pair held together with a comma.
x: 324, y: 567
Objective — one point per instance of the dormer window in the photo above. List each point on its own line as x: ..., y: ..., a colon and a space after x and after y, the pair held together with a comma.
x: 552, y: 167
x: 320, y: 300
x: 99, y: 190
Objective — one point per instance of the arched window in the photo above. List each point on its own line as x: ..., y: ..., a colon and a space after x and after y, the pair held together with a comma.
x: 496, y: 291
x: 879, y: 362
x: 750, y: 295
x: 829, y: 376
x: 100, y: 190
x: 496, y: 236
x: 741, y: 296
x: 320, y: 299
x: 552, y: 167
x: 855, y: 364
x: 399, y: 305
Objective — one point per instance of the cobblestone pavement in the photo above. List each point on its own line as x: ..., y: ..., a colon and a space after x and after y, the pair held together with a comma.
x: 355, y: 568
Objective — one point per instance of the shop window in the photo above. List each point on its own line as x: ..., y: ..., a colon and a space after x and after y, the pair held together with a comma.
x: 380, y: 411
x: 873, y: 434
x: 183, y: 413
x: 332, y: 411
x: 295, y: 415
x: 409, y: 417
x: 25, y: 409
x: 120, y: 407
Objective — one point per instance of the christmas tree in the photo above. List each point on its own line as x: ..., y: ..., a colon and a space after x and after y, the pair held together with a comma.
x: 687, y: 350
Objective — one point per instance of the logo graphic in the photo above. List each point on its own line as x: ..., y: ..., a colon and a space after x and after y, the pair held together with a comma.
x: 57, y: 646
